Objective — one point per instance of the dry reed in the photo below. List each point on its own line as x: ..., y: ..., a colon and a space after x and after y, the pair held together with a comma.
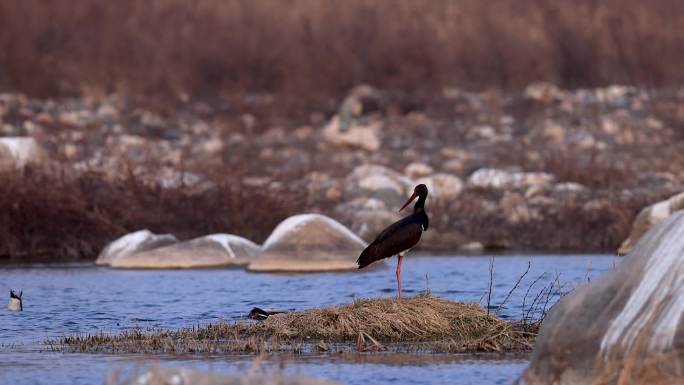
x: 416, y: 323
x: 307, y: 48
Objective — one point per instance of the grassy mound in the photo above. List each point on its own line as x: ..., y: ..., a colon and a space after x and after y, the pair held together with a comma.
x: 417, y: 323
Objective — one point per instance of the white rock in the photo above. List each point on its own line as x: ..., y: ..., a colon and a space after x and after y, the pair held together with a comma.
x: 649, y: 217
x: 472, y: 247
x: 22, y: 150
x: 455, y: 166
x: 534, y: 191
x: 543, y: 92
x: 380, y: 182
x: 309, y: 243
x: 502, y: 179
x: 169, y: 178
x: 216, y: 250
x: 375, y: 177
x: 626, y: 324
x: 418, y: 170
x: 569, y: 187
x: 369, y: 223
x: 364, y: 136
x: 133, y: 243
x: 363, y: 204
x: 616, y: 94
x: 107, y: 112
x: 442, y: 186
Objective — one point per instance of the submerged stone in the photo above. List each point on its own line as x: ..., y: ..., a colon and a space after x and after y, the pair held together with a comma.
x: 624, y: 327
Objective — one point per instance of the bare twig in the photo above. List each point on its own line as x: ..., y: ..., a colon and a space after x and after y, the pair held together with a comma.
x: 491, y: 280
x: 527, y: 293
x: 529, y: 265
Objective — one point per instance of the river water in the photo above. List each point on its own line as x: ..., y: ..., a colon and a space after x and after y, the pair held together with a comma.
x: 62, y: 300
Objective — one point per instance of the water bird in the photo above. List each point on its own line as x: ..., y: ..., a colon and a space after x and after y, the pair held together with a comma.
x: 260, y: 314
x: 399, y: 237
x: 15, y: 303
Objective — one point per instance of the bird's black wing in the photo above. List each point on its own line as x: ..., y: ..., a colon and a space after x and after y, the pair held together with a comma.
x: 399, y: 236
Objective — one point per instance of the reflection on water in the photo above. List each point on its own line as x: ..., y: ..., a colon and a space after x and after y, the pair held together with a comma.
x: 86, y: 299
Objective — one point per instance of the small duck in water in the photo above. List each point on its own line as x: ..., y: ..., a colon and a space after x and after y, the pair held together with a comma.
x: 15, y: 303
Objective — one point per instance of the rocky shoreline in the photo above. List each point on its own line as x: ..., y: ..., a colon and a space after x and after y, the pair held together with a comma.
x: 543, y: 169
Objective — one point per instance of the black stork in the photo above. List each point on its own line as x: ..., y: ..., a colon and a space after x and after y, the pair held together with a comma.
x: 400, y: 236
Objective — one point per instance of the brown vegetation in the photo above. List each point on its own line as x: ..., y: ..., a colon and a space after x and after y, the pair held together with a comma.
x: 416, y: 323
x: 310, y: 48
x: 111, y: 173
x: 48, y: 216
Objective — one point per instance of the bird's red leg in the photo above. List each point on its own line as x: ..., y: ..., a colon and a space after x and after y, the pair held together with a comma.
x: 399, y: 258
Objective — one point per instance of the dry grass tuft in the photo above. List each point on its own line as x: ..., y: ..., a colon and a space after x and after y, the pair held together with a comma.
x: 416, y: 323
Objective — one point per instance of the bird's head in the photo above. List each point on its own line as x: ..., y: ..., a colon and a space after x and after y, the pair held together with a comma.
x: 418, y: 191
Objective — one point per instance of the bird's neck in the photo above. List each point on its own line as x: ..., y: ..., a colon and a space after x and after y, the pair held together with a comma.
x: 420, y: 204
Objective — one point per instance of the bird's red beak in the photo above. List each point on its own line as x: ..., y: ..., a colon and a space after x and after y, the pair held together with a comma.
x: 409, y: 201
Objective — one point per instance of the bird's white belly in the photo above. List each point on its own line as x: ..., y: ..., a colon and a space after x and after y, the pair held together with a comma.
x: 14, y: 304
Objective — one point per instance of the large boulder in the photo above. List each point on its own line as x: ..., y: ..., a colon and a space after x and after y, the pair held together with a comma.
x: 649, y: 217
x: 309, y: 243
x: 216, y: 250
x: 626, y: 326
x: 369, y: 223
x: 132, y: 243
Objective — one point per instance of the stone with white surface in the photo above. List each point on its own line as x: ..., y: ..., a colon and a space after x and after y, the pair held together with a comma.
x: 309, y: 243
x: 362, y: 135
x: 369, y: 223
x: 378, y: 182
x: 18, y: 152
x: 649, y: 217
x: 215, y: 250
x: 493, y: 178
x: 418, y: 170
x: 132, y: 243
x: 624, y: 327
x: 442, y: 186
